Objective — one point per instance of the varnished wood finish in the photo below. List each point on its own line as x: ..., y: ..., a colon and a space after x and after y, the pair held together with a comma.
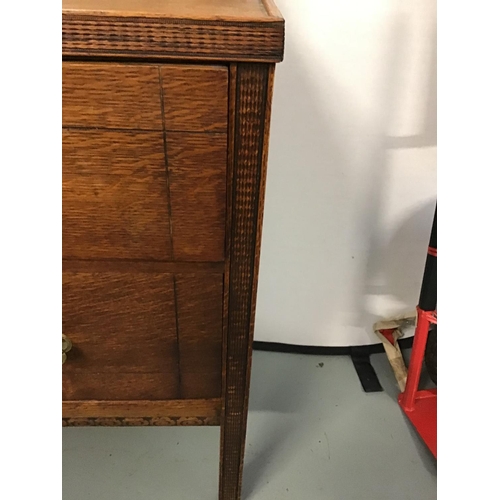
x: 141, y: 413
x: 175, y: 9
x: 194, y: 30
x: 175, y: 97
x: 145, y: 408
x: 136, y: 194
x: 139, y: 421
x: 124, y: 266
x: 123, y: 329
x: 83, y: 383
x: 251, y: 127
x: 111, y: 96
x: 126, y: 329
x: 197, y: 173
x: 115, y: 198
x: 166, y: 109
x: 229, y: 200
x: 199, y: 323
x: 195, y: 97
x: 272, y: 10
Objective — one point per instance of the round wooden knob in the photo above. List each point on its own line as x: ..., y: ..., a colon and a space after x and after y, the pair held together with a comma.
x: 66, y: 347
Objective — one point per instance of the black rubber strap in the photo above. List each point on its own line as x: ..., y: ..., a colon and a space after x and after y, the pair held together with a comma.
x: 366, y: 374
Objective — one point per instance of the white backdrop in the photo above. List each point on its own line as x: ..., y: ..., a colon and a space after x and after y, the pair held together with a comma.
x: 352, y: 170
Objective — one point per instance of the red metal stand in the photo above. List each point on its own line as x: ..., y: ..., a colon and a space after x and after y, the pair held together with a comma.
x: 421, y: 406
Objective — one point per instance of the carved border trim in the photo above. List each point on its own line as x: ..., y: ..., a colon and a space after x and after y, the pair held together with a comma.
x: 138, y: 421
x: 251, y: 126
x: 141, y: 37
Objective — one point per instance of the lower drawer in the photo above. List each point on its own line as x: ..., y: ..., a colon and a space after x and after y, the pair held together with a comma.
x: 142, y: 334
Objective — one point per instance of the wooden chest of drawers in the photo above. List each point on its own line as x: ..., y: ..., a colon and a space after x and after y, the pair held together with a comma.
x: 166, y: 109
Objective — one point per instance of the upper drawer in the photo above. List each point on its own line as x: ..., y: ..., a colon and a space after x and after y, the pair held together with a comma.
x: 195, y: 98
x: 123, y: 199
x: 145, y: 97
x: 144, y: 161
x: 111, y: 96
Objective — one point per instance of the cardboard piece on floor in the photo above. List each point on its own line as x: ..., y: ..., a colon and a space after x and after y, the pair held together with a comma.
x: 389, y: 331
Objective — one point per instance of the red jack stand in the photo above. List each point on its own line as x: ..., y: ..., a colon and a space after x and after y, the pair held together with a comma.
x: 421, y: 406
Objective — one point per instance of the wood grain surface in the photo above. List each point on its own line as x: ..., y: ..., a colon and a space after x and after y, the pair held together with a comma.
x: 199, y: 313
x: 195, y: 97
x: 134, y: 334
x: 139, y: 421
x: 191, y: 9
x: 164, y: 167
x: 111, y: 96
x: 145, y: 266
x: 201, y: 30
x: 197, y: 175
x: 115, y: 197
x: 137, y: 194
x: 146, y: 408
x: 123, y: 329
x: 251, y: 127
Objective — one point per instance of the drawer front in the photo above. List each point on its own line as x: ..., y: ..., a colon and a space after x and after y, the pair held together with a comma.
x: 144, y: 161
x: 115, y: 200
x: 131, y: 96
x: 111, y: 96
x: 207, y: 88
x: 142, y: 335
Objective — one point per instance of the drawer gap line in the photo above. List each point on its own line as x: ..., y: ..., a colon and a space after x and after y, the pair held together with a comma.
x: 169, y: 204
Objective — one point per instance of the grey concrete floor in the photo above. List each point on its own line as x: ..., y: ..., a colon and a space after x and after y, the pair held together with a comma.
x: 313, y: 434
